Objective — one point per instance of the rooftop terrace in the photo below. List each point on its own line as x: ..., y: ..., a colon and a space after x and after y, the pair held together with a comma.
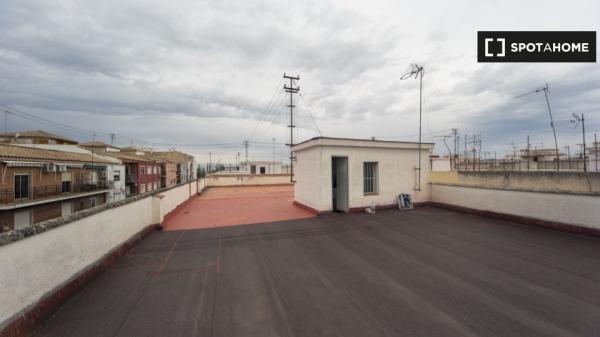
x: 427, y: 272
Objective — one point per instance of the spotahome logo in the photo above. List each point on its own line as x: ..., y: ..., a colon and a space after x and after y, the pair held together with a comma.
x: 495, y: 46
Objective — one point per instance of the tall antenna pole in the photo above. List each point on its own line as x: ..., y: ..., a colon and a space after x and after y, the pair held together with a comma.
x: 417, y: 71
x: 5, y: 121
x: 209, y: 162
x: 583, y: 128
x: 246, y: 143
x: 291, y: 90
x: 553, y: 128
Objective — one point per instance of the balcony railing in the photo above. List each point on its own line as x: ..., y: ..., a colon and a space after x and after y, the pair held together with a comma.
x: 35, y: 193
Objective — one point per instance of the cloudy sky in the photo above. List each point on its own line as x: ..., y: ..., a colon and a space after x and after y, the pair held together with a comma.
x: 208, y: 75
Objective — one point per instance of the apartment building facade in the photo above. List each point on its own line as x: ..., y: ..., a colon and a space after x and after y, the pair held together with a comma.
x: 41, y: 184
x: 142, y: 174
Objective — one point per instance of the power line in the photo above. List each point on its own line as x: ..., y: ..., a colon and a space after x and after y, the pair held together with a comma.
x: 310, y: 114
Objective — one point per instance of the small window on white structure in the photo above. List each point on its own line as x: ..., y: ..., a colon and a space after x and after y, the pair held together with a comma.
x: 370, y: 178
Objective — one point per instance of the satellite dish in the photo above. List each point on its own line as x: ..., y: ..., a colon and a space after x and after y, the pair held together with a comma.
x: 17, y: 134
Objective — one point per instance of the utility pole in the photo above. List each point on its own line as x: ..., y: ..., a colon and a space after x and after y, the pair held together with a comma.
x: 273, y: 170
x: 455, y: 134
x: 112, y: 139
x: 291, y: 90
x: 5, y: 121
x: 209, y: 162
x: 596, y: 154
x: 528, y: 146
x: 246, y: 143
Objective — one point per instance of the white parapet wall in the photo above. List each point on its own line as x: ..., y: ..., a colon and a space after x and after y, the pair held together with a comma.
x: 35, y: 267
x: 567, y: 208
x: 219, y: 180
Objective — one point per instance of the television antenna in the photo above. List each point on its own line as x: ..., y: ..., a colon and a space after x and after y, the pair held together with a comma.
x: 580, y: 119
x: 417, y: 71
x: 546, y: 89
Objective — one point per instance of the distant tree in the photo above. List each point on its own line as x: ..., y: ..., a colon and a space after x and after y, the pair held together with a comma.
x: 201, y: 172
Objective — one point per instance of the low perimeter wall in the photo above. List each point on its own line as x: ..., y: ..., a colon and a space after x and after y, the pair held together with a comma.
x: 61, y: 254
x: 551, y: 208
x: 217, y: 180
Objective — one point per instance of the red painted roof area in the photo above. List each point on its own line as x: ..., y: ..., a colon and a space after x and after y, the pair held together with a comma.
x: 236, y: 205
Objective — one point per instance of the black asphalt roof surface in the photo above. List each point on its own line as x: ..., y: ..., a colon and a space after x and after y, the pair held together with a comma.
x: 427, y: 272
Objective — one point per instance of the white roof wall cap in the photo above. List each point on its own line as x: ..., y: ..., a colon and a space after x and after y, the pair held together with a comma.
x: 365, y: 143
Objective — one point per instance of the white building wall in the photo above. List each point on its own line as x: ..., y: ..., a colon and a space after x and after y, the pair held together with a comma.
x: 440, y: 164
x: 118, y: 191
x: 38, y: 265
x: 569, y: 208
x: 396, y: 174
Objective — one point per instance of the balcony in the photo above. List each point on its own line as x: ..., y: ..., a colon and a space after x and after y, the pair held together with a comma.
x: 37, y: 193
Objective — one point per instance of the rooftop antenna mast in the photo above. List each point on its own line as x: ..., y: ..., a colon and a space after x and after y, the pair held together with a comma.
x: 291, y: 89
x: 417, y: 71
x: 580, y: 119
x: 546, y: 89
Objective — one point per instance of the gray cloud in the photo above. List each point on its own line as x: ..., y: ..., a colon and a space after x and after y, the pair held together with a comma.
x: 203, y: 72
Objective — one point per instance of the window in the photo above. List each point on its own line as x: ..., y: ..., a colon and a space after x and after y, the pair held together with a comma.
x: 142, y: 170
x: 117, y: 176
x: 142, y: 188
x: 370, y: 177
x: 66, y: 187
x: 22, y: 184
x: 252, y: 169
x: 93, y: 202
x: 263, y: 170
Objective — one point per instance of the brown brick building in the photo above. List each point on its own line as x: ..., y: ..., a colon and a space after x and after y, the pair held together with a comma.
x: 40, y: 184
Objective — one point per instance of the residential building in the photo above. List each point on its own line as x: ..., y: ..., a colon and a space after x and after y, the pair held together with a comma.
x: 186, y: 168
x: 34, y: 137
x: 142, y: 174
x: 40, y: 184
x: 440, y: 164
x: 540, y: 155
x: 339, y: 174
x: 261, y: 167
x: 113, y: 172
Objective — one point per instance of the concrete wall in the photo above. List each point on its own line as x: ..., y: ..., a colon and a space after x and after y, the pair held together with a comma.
x: 33, y: 267
x: 396, y: 175
x: 574, y: 209
x: 246, y: 179
x: 175, y: 197
x: 568, y: 182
